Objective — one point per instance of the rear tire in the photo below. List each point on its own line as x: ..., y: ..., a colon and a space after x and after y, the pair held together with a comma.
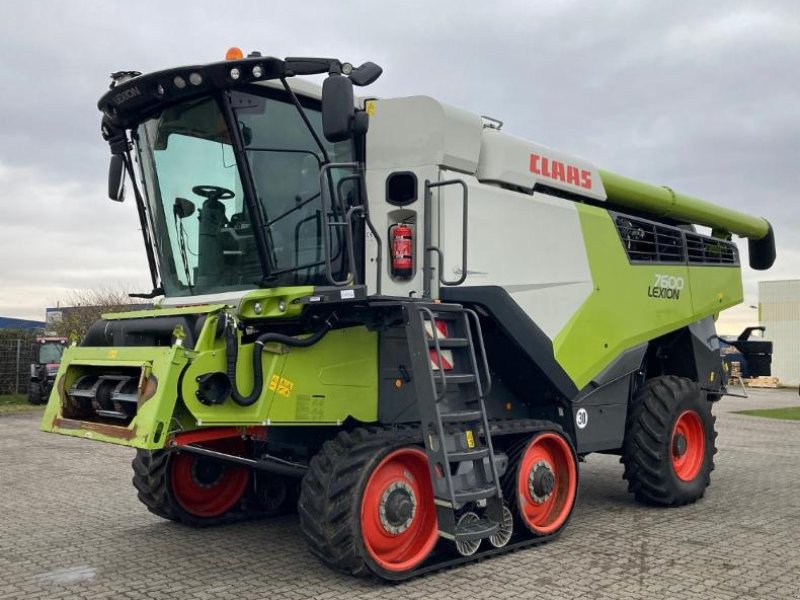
x: 35, y: 394
x: 669, y: 445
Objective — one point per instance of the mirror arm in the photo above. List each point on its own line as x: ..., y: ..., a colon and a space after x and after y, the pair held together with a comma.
x: 299, y: 107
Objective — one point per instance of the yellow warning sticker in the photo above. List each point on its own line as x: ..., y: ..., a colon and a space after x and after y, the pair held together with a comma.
x: 112, y: 354
x: 470, y: 439
x: 282, y: 386
x: 371, y: 106
x: 285, y: 387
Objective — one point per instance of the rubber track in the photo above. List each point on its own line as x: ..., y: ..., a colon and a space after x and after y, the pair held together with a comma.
x: 333, y: 480
x: 649, y: 429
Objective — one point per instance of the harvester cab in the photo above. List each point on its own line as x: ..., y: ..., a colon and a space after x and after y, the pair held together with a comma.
x: 395, y: 317
x: 45, y: 359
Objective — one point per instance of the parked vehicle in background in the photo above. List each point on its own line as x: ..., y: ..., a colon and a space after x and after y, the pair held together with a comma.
x: 46, y: 358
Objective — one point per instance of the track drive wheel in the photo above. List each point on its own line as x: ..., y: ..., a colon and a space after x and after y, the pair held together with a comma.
x: 541, y: 483
x: 192, y: 489
x: 366, y: 504
x: 669, y: 442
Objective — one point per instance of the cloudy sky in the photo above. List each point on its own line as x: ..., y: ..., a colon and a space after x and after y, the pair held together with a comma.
x: 702, y: 96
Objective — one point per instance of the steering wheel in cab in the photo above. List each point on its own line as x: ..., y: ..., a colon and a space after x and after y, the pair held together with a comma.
x: 213, y: 192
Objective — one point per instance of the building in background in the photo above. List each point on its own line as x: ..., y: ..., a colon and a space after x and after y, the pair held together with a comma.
x: 779, y: 312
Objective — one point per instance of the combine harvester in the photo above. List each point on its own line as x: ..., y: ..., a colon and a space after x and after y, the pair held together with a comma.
x: 418, y: 374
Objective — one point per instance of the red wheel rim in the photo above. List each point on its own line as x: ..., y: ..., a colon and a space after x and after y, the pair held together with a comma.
x: 206, y: 488
x: 688, y: 445
x: 545, y: 509
x: 392, y: 545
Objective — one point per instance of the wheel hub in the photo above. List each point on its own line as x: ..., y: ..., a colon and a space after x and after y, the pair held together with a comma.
x: 398, y: 506
x: 541, y: 482
x: 206, y: 473
x: 679, y: 445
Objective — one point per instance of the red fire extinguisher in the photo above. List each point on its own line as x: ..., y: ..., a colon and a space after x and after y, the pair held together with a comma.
x: 402, y: 243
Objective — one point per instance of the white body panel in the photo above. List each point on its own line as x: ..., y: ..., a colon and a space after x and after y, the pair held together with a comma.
x: 419, y: 131
x: 532, y: 246
x: 512, y: 161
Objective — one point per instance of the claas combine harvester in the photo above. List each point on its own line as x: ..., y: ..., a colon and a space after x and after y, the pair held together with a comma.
x: 394, y: 317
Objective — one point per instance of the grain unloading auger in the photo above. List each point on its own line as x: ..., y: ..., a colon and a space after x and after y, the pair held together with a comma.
x: 419, y: 374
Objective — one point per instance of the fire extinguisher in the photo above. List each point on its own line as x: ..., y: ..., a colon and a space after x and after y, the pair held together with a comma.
x: 402, y: 243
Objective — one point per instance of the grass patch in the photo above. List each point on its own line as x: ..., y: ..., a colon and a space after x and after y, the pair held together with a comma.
x: 791, y: 413
x: 16, y: 403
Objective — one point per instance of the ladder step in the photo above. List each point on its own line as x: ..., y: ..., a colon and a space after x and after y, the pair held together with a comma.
x: 461, y: 416
x: 457, y: 379
x: 474, y: 494
x: 475, y: 530
x: 449, y: 343
x: 471, y: 454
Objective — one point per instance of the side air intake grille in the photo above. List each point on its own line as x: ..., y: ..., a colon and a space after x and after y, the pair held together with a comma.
x: 649, y: 242
x: 645, y: 241
x: 710, y: 251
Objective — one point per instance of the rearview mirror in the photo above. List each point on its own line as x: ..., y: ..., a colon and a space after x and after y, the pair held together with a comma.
x: 116, y: 178
x: 338, y: 108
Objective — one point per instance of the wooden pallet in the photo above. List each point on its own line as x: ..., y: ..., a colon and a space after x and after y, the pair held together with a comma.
x: 763, y: 382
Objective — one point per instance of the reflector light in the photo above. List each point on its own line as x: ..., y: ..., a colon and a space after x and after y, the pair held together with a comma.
x: 234, y: 53
x: 235, y: 73
x: 179, y: 82
x: 195, y: 79
x: 258, y: 71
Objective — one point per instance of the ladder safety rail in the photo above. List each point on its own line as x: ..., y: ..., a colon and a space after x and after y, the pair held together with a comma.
x: 471, y: 315
x: 429, y: 248
x: 484, y: 359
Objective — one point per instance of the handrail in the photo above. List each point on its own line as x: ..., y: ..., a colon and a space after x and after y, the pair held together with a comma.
x: 428, y: 237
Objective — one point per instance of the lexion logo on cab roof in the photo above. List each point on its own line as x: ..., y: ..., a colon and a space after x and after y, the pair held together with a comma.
x: 560, y: 171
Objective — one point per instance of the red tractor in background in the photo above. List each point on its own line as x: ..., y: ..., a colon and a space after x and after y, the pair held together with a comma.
x: 45, y: 360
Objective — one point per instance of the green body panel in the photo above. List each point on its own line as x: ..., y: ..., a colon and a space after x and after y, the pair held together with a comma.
x: 326, y: 383
x: 621, y: 312
x: 664, y: 202
x: 164, y: 311
x: 335, y: 379
x: 154, y: 416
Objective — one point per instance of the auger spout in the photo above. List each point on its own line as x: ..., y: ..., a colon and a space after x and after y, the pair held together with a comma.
x: 662, y: 201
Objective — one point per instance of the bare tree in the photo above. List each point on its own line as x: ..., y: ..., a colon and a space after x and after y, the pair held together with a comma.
x: 84, y: 307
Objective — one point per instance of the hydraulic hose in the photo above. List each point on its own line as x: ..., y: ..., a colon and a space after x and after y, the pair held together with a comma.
x: 232, y: 351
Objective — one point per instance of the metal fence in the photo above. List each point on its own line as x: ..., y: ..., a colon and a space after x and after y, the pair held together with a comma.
x: 15, y: 364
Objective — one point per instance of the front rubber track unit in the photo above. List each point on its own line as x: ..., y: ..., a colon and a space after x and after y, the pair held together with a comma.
x: 331, y: 493
x: 647, y: 450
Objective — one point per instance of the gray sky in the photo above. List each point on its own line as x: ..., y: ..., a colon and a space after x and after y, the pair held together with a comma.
x: 701, y: 96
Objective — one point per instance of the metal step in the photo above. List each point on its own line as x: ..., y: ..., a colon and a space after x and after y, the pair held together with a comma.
x: 460, y: 378
x: 446, y: 343
x: 462, y: 416
x: 471, y: 454
x: 475, y: 530
x: 471, y: 495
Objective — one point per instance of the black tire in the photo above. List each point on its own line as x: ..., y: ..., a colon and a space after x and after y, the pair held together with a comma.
x: 35, y: 394
x: 151, y: 478
x: 331, y: 496
x: 648, y: 447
